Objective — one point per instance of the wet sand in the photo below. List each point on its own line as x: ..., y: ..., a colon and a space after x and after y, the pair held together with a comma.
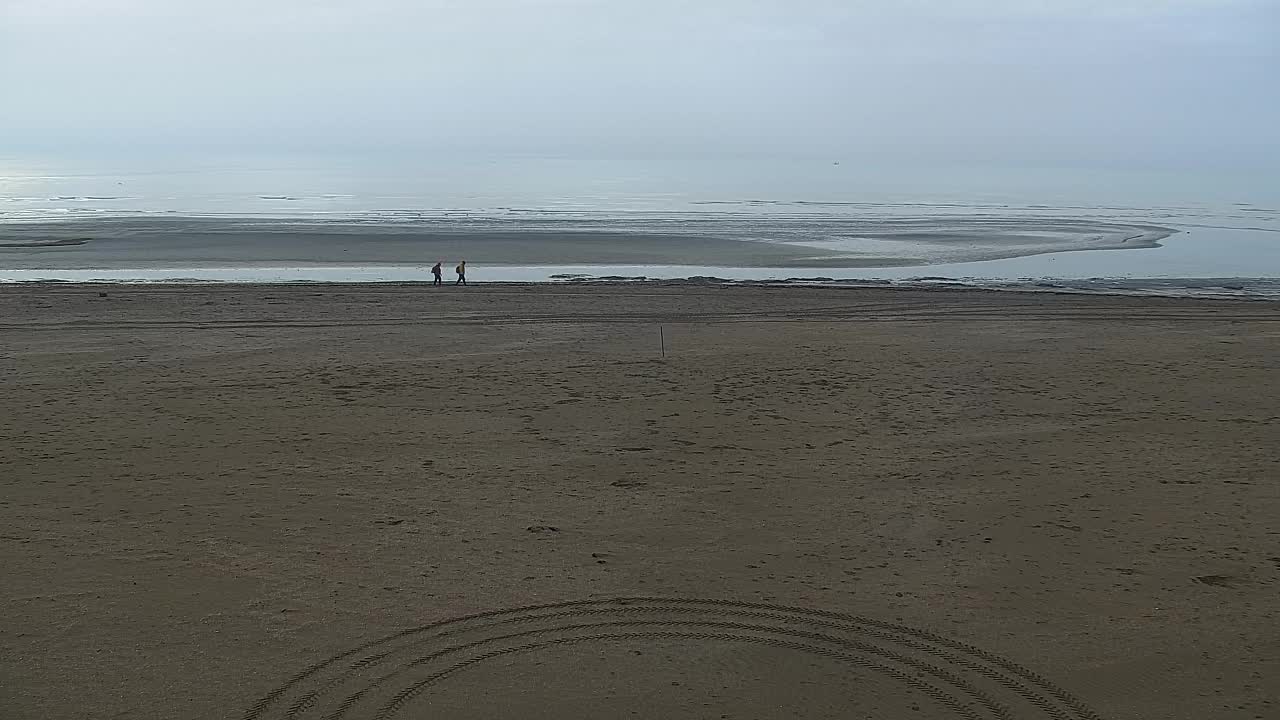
x: 705, y: 238
x: 899, y: 503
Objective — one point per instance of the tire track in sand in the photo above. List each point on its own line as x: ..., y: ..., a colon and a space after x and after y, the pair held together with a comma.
x: 383, y: 677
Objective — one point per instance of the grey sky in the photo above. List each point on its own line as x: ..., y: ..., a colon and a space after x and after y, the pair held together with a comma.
x: 1116, y: 81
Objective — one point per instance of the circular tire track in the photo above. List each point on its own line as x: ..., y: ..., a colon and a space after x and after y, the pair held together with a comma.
x: 381, y: 678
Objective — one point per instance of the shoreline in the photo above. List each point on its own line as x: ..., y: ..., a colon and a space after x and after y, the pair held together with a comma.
x: 420, y: 302
x: 1228, y: 252
x: 1238, y: 289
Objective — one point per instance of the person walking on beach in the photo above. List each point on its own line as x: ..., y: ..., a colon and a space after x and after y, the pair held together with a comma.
x: 462, y: 273
x: 437, y: 270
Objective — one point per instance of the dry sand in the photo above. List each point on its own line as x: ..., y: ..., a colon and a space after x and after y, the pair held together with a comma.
x: 1003, y: 505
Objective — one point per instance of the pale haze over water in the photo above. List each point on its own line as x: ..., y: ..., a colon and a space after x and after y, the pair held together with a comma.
x: 1155, y: 113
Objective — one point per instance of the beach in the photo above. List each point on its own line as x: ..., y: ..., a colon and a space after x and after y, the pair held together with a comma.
x: 234, y: 500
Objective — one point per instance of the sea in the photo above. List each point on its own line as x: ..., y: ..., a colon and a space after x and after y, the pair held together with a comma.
x: 231, y: 216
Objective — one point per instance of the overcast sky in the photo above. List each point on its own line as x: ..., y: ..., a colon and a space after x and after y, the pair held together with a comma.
x: 1114, y: 81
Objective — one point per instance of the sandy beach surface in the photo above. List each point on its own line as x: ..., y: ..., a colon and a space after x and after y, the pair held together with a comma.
x: 264, y: 502
x: 828, y: 239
